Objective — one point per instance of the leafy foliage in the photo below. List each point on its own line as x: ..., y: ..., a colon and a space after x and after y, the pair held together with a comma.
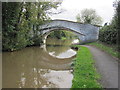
x: 20, y: 23
x: 109, y: 33
x: 118, y: 24
x: 89, y: 16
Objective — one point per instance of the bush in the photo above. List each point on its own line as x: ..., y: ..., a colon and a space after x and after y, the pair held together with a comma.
x: 37, y: 40
x: 108, y: 34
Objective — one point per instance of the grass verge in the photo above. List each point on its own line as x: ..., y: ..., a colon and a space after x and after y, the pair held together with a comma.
x: 85, y: 75
x: 109, y: 49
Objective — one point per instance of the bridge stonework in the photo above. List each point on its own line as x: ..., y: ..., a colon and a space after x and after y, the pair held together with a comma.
x: 86, y: 32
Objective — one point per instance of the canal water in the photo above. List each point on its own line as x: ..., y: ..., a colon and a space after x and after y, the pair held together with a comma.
x: 35, y: 67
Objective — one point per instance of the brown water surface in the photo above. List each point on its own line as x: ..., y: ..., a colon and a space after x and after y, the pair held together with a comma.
x: 35, y: 67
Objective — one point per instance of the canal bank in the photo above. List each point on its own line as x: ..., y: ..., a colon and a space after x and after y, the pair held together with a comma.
x: 85, y: 74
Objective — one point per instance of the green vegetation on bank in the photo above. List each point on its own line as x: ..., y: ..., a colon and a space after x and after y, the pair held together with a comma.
x: 112, y: 50
x: 85, y: 74
x: 20, y: 23
x: 109, y: 33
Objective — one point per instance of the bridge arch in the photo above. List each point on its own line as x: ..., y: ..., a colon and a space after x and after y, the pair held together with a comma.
x: 86, y: 32
x: 44, y: 37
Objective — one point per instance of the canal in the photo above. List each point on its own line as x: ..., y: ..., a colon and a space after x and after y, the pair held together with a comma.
x: 35, y: 67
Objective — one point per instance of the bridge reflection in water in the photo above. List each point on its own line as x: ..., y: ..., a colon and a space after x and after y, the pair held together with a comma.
x: 33, y: 67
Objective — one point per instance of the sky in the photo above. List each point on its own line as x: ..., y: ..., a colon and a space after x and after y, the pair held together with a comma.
x: 104, y: 8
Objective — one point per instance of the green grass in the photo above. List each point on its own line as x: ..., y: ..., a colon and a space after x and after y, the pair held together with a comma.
x: 109, y: 49
x: 85, y: 75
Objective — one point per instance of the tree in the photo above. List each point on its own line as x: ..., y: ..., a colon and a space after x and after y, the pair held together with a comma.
x: 118, y: 24
x: 20, y: 21
x: 110, y: 33
x: 89, y: 16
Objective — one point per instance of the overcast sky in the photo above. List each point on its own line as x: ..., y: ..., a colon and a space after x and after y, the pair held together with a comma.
x: 104, y: 8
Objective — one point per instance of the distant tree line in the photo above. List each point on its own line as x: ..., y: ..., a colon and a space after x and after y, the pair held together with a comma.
x: 20, y: 23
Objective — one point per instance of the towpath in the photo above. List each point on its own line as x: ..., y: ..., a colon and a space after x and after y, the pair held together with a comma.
x: 107, y: 66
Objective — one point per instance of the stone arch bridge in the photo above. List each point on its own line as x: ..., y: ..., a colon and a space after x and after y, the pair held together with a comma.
x: 85, y: 32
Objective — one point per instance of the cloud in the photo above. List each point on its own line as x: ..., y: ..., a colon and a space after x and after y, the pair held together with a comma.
x: 104, y: 8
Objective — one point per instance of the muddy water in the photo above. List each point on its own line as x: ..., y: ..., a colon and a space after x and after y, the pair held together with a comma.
x: 35, y: 67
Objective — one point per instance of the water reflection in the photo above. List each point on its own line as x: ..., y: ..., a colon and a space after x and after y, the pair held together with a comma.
x: 33, y: 67
x: 60, y: 48
x: 61, y: 51
x: 56, y: 42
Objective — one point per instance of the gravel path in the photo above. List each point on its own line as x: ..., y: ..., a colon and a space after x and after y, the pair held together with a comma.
x: 107, y: 66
